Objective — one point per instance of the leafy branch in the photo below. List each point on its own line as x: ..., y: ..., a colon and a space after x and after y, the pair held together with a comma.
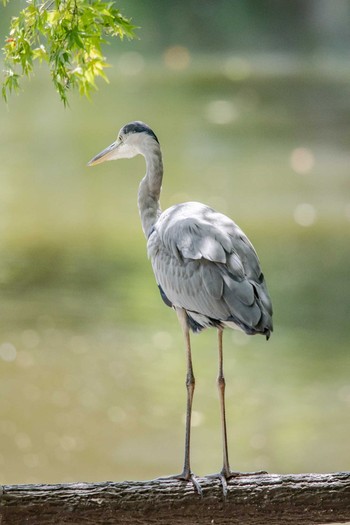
x: 68, y: 35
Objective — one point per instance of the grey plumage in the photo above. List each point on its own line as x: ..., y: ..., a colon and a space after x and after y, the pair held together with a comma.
x: 205, y: 264
x: 205, y: 267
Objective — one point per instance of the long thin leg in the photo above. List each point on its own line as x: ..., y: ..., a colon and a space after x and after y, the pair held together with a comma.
x: 190, y: 385
x: 226, y: 471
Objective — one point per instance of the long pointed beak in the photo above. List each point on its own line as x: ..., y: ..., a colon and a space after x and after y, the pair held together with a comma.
x: 106, y: 154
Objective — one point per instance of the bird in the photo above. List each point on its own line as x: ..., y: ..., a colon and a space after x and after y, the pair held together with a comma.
x: 205, y: 267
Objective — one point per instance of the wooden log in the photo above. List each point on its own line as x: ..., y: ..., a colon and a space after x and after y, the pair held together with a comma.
x: 296, y: 499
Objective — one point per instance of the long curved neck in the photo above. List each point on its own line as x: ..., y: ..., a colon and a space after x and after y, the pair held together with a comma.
x: 150, y: 187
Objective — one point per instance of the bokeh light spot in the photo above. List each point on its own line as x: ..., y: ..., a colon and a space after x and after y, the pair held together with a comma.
x: 68, y: 443
x: 221, y: 112
x: 8, y: 352
x: 177, y: 58
x: 302, y: 160
x: 23, y: 441
x: 305, y: 214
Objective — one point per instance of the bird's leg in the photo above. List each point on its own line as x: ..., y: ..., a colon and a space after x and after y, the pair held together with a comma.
x: 186, y: 474
x: 190, y: 385
x: 221, y: 388
x: 226, y: 472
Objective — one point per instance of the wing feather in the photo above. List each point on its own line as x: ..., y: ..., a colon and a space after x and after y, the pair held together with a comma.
x: 205, y: 264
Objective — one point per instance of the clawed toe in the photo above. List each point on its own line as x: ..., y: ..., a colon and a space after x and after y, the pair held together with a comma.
x: 196, y: 485
x: 223, y: 480
x: 225, y: 475
x: 186, y: 476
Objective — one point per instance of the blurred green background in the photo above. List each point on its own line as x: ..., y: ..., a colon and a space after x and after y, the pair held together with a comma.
x: 251, y: 103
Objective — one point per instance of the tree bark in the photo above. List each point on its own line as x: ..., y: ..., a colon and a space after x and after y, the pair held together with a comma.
x: 308, y: 499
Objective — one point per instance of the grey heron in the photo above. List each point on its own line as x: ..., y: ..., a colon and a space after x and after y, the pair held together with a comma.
x: 205, y: 267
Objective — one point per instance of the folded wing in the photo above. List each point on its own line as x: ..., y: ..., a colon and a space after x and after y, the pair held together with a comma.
x: 204, y: 263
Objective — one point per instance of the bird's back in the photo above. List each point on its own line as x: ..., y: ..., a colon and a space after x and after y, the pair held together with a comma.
x: 204, y: 263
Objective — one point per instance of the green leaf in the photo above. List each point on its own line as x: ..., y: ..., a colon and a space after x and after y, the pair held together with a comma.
x: 68, y: 35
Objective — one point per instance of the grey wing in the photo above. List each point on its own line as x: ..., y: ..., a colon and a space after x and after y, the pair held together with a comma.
x: 205, y: 264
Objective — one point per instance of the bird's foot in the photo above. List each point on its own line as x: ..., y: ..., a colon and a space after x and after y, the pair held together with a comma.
x: 186, y: 476
x: 226, y: 474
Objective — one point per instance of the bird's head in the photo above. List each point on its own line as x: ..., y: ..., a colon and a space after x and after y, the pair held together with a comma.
x: 133, y: 139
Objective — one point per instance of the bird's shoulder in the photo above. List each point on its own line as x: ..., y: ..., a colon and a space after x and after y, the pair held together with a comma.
x: 193, y: 230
